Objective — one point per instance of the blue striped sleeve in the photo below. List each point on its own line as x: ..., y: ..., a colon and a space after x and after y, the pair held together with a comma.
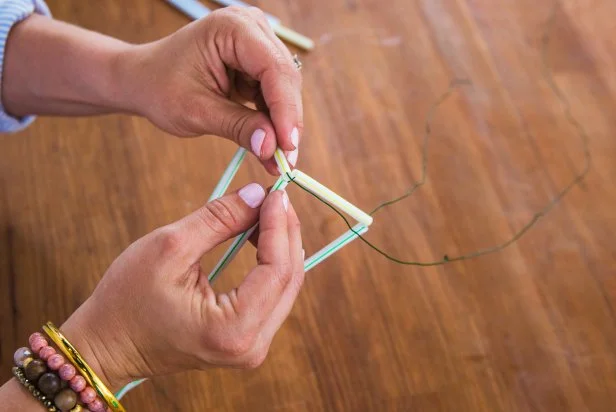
x: 11, y: 13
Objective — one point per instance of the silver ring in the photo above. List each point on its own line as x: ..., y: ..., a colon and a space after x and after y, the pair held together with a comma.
x: 298, y: 64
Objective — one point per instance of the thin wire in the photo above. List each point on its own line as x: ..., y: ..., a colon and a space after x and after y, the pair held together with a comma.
x: 545, y: 40
x: 424, y: 156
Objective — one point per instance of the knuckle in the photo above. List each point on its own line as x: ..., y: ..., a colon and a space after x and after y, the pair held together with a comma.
x: 285, y: 104
x: 294, y: 224
x: 257, y: 12
x: 236, y: 347
x: 283, y: 273
x: 193, y: 114
x: 286, y: 68
x: 219, y: 217
x: 298, y: 280
x: 234, y: 126
x: 169, y: 239
x: 256, y: 359
x: 231, y: 17
x: 232, y: 11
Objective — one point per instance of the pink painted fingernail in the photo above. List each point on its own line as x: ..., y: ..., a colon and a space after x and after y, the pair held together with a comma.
x: 252, y: 194
x: 295, y: 137
x: 256, y: 141
x: 292, y: 157
x: 285, y: 201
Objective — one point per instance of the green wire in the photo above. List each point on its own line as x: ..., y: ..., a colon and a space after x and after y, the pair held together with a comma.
x: 577, y: 179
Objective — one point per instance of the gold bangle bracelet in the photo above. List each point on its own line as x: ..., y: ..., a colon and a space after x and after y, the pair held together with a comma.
x: 77, y: 360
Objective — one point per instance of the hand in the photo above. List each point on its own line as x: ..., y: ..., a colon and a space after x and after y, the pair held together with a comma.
x: 155, y: 313
x: 190, y: 83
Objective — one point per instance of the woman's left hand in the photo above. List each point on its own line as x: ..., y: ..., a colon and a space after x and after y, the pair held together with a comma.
x: 194, y: 81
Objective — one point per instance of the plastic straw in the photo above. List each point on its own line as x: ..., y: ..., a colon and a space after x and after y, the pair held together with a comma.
x: 281, y: 161
x: 332, y: 198
x: 229, y: 174
x: 128, y: 388
x: 335, y: 246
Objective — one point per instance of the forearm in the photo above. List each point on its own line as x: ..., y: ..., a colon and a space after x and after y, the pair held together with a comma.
x: 54, y: 68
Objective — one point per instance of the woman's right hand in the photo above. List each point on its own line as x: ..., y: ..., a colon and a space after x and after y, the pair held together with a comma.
x: 154, y: 312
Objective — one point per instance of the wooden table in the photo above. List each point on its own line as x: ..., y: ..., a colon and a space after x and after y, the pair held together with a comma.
x: 531, y: 328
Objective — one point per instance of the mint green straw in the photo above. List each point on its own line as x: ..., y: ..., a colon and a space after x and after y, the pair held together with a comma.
x: 349, y: 236
x: 229, y: 174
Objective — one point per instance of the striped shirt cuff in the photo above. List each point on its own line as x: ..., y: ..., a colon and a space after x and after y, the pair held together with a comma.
x: 11, y: 13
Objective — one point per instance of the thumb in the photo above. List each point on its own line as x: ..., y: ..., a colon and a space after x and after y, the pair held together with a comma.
x: 220, y: 220
x: 251, y: 129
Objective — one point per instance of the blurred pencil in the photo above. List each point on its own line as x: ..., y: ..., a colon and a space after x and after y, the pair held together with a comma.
x: 283, y: 32
x: 196, y: 10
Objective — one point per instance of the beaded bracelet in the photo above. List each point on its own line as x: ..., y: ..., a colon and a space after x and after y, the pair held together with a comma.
x: 43, y: 381
x: 77, y: 360
x: 21, y: 377
x: 52, y: 380
x: 67, y: 372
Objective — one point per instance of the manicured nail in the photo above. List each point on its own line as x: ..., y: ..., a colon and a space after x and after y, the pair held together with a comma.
x: 292, y: 157
x: 252, y: 194
x: 303, y: 254
x: 285, y: 200
x: 256, y: 141
x: 295, y: 137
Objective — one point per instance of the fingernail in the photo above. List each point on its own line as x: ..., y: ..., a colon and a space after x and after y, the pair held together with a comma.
x: 295, y: 137
x: 285, y: 200
x: 292, y: 157
x: 303, y: 254
x: 252, y: 194
x: 256, y: 141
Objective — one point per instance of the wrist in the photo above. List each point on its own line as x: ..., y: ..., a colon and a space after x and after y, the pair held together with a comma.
x: 97, y: 353
x: 124, y: 88
x: 132, y: 79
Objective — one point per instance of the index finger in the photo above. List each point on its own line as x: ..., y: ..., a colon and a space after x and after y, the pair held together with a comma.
x: 262, y: 289
x: 255, y: 54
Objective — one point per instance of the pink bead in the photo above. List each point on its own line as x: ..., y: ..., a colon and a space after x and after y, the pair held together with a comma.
x: 38, y: 343
x: 67, y: 372
x: 55, y: 361
x: 35, y: 336
x: 87, y: 395
x: 46, y: 352
x: 78, y: 383
x: 96, y: 405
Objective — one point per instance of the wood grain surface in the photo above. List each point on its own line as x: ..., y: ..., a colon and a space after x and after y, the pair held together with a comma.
x: 531, y: 328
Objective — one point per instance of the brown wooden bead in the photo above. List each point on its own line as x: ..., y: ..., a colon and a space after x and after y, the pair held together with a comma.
x: 49, y: 384
x: 35, y: 369
x: 65, y: 400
